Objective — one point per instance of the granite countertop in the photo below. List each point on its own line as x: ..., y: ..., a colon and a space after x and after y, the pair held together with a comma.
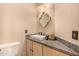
x: 57, y: 45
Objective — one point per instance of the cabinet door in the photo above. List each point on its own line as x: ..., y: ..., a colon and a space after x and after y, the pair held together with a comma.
x: 51, y: 52
x: 29, y: 47
x: 37, y: 49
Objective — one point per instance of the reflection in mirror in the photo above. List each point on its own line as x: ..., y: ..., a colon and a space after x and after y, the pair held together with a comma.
x: 44, y: 19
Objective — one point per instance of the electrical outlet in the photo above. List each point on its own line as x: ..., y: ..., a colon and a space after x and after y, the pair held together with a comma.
x: 75, y: 35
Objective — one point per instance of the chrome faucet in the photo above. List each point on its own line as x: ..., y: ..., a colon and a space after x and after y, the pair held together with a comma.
x: 41, y: 33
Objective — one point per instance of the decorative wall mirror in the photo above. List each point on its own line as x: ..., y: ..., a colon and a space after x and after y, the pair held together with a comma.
x: 44, y: 19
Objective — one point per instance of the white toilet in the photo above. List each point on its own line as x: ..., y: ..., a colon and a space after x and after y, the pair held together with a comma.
x: 9, y: 49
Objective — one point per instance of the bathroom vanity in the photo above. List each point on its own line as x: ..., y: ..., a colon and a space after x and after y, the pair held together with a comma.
x: 48, y: 48
x: 37, y: 49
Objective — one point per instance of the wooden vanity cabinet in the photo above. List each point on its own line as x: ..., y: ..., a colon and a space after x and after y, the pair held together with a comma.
x: 47, y: 51
x: 33, y: 48
x: 29, y: 47
x: 36, y: 49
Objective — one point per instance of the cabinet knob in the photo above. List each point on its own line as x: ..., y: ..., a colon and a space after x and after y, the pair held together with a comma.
x: 31, y: 50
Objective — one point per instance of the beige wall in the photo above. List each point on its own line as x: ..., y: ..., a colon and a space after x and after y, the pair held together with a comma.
x: 14, y: 19
x: 66, y: 20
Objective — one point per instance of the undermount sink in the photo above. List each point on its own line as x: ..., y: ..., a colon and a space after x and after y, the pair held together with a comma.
x: 38, y: 37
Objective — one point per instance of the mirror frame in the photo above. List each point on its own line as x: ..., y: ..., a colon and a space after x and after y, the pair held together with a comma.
x: 44, y: 19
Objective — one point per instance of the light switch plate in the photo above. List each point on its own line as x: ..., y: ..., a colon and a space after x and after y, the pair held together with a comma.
x: 75, y: 35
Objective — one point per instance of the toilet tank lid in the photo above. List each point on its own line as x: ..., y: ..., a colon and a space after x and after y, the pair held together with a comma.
x: 9, y: 44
